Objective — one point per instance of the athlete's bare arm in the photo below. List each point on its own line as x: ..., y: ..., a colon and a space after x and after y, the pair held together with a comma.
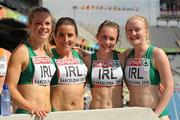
x: 163, y: 66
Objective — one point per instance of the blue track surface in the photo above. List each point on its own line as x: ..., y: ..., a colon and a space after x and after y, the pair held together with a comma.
x: 174, y: 106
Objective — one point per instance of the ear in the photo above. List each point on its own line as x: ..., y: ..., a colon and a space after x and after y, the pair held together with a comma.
x: 28, y: 29
x: 29, y: 26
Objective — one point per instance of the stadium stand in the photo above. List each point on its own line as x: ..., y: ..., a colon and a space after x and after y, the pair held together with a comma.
x: 165, y: 37
x: 161, y: 36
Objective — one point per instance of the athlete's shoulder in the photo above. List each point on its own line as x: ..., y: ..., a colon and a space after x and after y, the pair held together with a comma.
x: 159, y: 56
x: 80, y: 51
x: 158, y: 51
x: 20, y: 51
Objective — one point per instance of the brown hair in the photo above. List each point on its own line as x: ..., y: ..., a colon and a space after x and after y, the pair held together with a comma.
x: 66, y: 21
x: 32, y: 12
x: 109, y: 24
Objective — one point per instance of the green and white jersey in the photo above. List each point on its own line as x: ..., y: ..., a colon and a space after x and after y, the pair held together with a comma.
x: 105, y: 72
x: 40, y: 69
x: 140, y: 71
x: 69, y: 70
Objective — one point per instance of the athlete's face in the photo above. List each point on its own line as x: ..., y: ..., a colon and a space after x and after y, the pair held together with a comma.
x: 41, y: 26
x: 65, y: 37
x: 136, y: 32
x: 107, y: 38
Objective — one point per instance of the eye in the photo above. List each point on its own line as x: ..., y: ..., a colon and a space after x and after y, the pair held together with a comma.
x: 48, y: 23
x: 70, y: 35
x: 112, y: 38
x: 60, y: 34
x: 104, y: 37
x: 137, y: 29
x: 38, y: 23
x: 129, y: 30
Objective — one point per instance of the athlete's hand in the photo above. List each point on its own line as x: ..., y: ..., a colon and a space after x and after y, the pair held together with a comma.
x: 160, y: 89
x: 40, y: 112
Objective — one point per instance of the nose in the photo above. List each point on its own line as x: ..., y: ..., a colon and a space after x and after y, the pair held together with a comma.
x: 43, y: 26
x: 108, y: 41
x: 66, y: 38
x: 133, y: 32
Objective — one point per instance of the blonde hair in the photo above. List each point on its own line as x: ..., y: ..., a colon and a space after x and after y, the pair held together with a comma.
x: 32, y: 12
x: 143, y: 20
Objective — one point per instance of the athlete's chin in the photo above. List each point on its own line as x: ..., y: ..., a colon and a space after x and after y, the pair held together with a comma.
x: 67, y: 48
x: 107, y: 50
x: 135, y: 43
x: 44, y: 36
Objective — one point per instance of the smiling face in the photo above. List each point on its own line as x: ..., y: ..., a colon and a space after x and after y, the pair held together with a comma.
x: 136, y: 32
x: 65, y: 37
x: 65, y: 34
x: 40, y: 26
x: 107, y: 38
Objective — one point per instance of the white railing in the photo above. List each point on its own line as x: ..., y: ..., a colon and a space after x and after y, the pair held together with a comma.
x: 133, y: 113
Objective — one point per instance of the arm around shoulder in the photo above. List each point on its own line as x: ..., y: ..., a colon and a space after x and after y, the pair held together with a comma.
x: 86, y: 57
x: 123, y: 57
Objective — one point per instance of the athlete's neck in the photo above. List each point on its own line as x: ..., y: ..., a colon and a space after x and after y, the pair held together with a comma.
x: 64, y: 53
x: 35, y: 44
x: 104, y: 55
x: 140, y: 51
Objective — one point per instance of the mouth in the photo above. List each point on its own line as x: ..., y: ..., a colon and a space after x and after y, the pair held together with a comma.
x: 106, y: 46
x: 134, y: 38
x: 43, y: 33
x: 67, y: 44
